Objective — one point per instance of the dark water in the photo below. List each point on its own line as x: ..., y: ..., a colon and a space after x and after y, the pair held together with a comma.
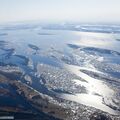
x: 49, y: 57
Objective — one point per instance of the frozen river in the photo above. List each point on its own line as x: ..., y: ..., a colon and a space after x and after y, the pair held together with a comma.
x: 80, y: 66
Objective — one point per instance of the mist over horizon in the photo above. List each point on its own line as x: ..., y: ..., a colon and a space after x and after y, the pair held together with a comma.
x: 60, y: 11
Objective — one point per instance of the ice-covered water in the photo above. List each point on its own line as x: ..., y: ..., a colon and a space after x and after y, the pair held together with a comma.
x: 83, y: 67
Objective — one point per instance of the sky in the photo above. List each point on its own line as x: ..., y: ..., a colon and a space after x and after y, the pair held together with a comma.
x: 60, y: 10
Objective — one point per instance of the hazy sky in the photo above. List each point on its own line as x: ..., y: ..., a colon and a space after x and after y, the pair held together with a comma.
x: 60, y: 10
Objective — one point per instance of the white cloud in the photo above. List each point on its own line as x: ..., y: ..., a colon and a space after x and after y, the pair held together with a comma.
x: 75, y: 10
